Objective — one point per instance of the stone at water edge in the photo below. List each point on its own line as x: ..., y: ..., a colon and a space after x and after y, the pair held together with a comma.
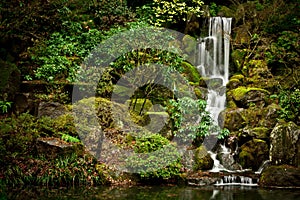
x: 285, y: 144
x: 280, y: 176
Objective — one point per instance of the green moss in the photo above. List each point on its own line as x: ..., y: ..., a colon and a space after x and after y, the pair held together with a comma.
x: 191, y: 72
x: 139, y: 105
x: 260, y: 132
x: 198, y: 93
x: 238, y: 56
x: 239, y: 92
x: 239, y: 77
x: 202, y: 159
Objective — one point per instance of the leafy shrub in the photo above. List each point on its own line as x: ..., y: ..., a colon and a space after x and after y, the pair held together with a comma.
x: 5, y: 106
x: 110, y: 13
x: 186, y: 110
x: 155, y: 158
x: 285, y: 49
x: 60, y: 56
x: 289, y: 100
x: 165, y: 13
x: 18, y: 133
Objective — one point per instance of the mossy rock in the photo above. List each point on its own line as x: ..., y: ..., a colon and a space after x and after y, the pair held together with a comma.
x: 280, y: 176
x: 240, y: 92
x: 198, y: 93
x: 239, y: 77
x: 269, y: 116
x: 189, y: 43
x: 203, y: 161
x: 285, y: 144
x: 234, y: 119
x: 253, y: 153
x: 191, y: 72
x: 121, y: 93
x: 202, y: 82
x: 249, y: 96
x: 159, y: 123
x: 256, y: 132
x: 233, y: 83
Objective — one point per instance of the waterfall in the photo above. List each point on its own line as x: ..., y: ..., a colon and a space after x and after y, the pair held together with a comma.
x: 213, y: 63
x: 237, y: 180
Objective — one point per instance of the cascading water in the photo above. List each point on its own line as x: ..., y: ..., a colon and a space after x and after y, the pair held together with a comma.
x: 213, y: 64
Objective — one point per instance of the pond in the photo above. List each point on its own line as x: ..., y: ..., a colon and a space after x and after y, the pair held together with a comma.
x: 155, y: 193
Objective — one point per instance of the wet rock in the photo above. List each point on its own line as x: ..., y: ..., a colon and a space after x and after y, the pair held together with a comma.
x: 285, y: 144
x: 253, y: 153
x: 51, y: 109
x: 280, y: 176
x: 214, y: 83
x: 228, y: 161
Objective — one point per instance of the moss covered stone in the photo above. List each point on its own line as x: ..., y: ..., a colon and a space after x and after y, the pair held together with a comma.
x: 233, y: 83
x: 191, y: 72
x: 239, y: 77
x: 240, y: 92
x: 253, y: 153
x: 280, y: 176
x: 203, y: 161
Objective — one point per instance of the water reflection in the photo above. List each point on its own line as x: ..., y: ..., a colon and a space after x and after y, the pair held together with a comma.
x: 153, y: 193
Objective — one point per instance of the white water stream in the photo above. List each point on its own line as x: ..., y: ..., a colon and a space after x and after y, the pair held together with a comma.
x: 213, y: 64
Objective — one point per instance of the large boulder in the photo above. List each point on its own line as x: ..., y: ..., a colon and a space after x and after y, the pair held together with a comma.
x: 285, y: 144
x: 233, y: 118
x: 245, y: 97
x: 269, y: 116
x: 197, y: 159
x: 280, y: 176
x: 203, y: 161
x: 253, y: 153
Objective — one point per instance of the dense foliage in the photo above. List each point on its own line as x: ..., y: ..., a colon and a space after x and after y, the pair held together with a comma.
x: 49, y: 41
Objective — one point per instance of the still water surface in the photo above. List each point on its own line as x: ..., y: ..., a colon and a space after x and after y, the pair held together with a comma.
x: 155, y: 193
